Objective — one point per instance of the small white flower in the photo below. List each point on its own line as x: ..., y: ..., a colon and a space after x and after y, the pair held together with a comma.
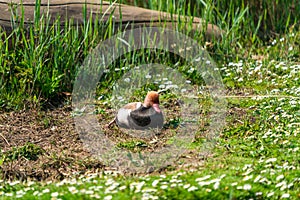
x: 36, y: 193
x: 257, y: 68
x: 188, y: 48
x: 270, y: 194
x: 203, y: 178
x: 122, y: 187
x: 180, y: 173
x: 239, y: 64
x: 193, y: 188
x: 8, y: 194
x: 286, y: 195
x: 279, y: 177
x: 271, y: 160
x: 216, y: 185
x: 290, y: 185
x: 283, y: 187
x: 83, y: 191
x: 293, y: 102
x: 137, y: 185
x: 230, y: 64
x: 149, y: 190
x: 257, y: 178
x: 222, y: 176
x: 174, y: 180
x: 247, y: 187
x: 208, y: 190
x: 246, y: 178
x: 186, y: 186
x: 171, y: 86
x: 20, y: 192
x: 239, y: 187
x: 283, y: 183
x: 163, y: 187
x: 154, y: 183
x: 112, y: 187
x: 191, y: 70
x: 258, y: 193
x: 95, y: 196
x: 109, y: 197
x: 89, y: 192
x: 72, y: 189
x: 54, y: 194
x: 14, y: 183
x: 46, y: 190
x: 30, y: 183
x: 127, y: 80
x: 109, y: 182
x: 234, y: 184
x: 249, y: 171
x: 28, y: 188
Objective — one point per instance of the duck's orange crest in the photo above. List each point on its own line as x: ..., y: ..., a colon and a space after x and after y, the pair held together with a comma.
x: 151, y: 98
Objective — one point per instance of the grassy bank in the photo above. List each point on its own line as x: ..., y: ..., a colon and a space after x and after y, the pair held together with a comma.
x: 257, y: 153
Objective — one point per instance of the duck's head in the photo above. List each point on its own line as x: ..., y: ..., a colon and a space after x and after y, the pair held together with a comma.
x: 152, y: 100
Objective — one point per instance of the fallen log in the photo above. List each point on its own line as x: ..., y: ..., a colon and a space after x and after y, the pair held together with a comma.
x: 128, y: 16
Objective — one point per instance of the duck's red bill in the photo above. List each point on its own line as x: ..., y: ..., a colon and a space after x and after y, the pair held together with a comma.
x: 156, y: 108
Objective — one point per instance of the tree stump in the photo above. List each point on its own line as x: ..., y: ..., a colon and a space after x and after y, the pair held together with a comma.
x: 124, y: 14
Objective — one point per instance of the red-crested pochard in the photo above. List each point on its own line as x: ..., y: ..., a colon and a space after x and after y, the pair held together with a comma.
x: 141, y: 116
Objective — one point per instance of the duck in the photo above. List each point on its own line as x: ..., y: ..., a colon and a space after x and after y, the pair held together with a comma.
x: 141, y: 116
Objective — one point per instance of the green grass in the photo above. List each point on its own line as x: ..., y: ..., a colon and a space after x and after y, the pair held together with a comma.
x: 28, y: 151
x: 45, y: 58
x: 257, y: 153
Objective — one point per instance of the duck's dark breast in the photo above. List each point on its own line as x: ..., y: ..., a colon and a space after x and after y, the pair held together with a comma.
x: 142, y: 115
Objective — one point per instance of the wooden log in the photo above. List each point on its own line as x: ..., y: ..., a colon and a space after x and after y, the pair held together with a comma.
x: 67, y: 9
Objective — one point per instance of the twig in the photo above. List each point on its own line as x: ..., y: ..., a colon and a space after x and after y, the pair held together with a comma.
x: 4, y: 139
x: 110, y: 123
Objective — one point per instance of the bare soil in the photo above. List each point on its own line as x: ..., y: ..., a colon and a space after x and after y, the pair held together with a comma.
x: 62, y: 152
x: 53, y: 131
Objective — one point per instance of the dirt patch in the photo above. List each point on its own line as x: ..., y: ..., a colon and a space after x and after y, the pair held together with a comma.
x: 61, y: 151
x: 44, y: 145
